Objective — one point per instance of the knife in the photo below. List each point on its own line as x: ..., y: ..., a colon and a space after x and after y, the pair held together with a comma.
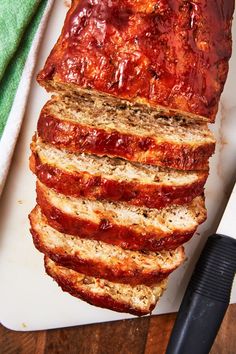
x: 208, y: 293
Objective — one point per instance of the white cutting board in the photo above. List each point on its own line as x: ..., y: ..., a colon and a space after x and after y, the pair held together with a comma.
x: 30, y: 300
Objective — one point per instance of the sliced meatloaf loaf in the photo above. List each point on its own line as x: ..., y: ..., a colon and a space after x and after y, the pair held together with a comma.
x: 138, y: 300
x: 93, y: 177
x: 84, y: 126
x: 130, y: 227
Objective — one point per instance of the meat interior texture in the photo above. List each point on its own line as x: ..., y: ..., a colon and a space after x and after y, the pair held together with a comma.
x: 167, y: 53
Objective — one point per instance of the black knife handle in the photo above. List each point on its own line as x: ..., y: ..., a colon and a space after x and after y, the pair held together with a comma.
x: 206, y: 299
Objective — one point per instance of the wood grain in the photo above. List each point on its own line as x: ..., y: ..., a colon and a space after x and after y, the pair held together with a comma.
x: 12, y: 342
x: 147, y: 335
x: 159, y: 332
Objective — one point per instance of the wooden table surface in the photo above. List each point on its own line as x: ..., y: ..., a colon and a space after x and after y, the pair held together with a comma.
x: 138, y: 336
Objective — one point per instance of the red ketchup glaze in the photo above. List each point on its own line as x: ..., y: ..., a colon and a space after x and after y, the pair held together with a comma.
x: 169, y: 52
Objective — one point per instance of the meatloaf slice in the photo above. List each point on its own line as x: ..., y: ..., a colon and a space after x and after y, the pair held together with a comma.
x: 93, y: 177
x: 102, y: 260
x: 89, y: 127
x: 127, y: 226
x: 138, y: 300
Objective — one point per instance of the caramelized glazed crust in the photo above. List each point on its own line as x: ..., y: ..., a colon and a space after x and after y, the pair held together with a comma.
x: 121, y: 235
x: 83, y: 184
x: 168, y: 53
x: 76, y: 137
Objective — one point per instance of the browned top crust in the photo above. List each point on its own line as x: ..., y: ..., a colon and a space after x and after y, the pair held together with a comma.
x: 168, y: 53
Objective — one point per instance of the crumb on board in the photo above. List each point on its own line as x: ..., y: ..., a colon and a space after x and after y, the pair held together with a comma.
x: 20, y: 201
x: 67, y: 3
x: 24, y: 325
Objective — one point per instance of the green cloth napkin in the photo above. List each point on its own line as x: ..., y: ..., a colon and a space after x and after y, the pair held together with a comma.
x: 19, y: 20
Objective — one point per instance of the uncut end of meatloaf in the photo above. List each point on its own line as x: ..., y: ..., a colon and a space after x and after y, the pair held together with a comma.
x: 138, y: 300
x: 94, y: 177
x: 87, y: 127
x: 127, y: 226
x: 168, y: 57
x: 102, y: 260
